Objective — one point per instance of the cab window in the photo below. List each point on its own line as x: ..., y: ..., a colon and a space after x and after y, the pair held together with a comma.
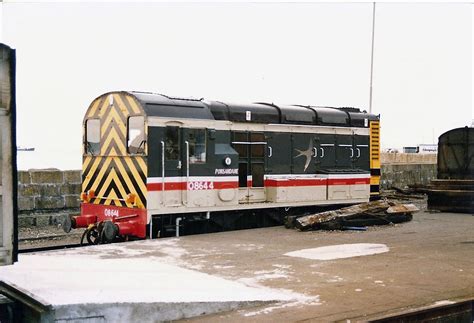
x: 136, y: 135
x: 197, y: 145
x: 172, y: 143
x: 92, y: 136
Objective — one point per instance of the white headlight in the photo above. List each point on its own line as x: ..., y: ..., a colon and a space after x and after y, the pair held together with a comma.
x: 227, y: 161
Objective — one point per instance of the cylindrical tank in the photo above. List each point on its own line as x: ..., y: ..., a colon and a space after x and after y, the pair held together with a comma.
x: 456, y: 154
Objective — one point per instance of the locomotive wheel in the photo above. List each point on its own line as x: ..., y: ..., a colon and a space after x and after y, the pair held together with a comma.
x: 109, y: 232
x: 92, y: 235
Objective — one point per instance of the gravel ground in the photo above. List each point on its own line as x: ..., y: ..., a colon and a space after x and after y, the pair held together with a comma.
x: 35, y: 237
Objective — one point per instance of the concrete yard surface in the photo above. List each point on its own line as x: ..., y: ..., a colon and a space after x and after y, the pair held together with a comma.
x: 272, y: 274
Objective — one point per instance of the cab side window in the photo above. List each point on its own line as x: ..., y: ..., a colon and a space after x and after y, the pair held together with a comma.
x: 92, y: 137
x: 136, y: 135
x: 172, y: 143
x: 197, y: 146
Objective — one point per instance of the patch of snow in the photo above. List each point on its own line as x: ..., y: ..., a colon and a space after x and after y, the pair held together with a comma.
x: 76, y: 278
x: 318, y: 273
x: 269, y: 309
x: 339, y: 251
x: 199, y: 255
x: 335, y: 279
x: 282, y: 266
x: 247, y: 246
x: 254, y: 282
x: 223, y: 267
x: 194, y: 266
x: 271, y: 274
x: 264, y: 275
x: 299, y: 299
x: 443, y: 302
x: 358, y: 290
x: 167, y: 250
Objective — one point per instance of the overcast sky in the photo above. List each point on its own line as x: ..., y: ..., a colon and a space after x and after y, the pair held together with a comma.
x: 296, y: 53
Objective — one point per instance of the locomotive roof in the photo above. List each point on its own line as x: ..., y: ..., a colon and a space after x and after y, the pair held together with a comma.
x: 165, y: 106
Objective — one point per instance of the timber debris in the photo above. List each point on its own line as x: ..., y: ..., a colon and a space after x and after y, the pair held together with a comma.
x: 355, y: 216
x: 409, y: 193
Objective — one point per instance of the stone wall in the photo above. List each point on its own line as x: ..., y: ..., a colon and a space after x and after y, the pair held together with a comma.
x: 47, y: 191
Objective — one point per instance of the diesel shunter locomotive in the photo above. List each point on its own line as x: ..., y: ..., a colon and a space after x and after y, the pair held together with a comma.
x: 156, y: 166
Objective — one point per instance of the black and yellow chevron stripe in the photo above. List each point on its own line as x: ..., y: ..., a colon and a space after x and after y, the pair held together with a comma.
x: 113, y: 175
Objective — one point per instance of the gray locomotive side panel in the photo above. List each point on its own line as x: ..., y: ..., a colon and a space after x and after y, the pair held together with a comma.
x: 255, y: 165
x: 8, y: 177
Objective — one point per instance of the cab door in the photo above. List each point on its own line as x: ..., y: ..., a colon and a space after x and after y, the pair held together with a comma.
x: 257, y: 167
x: 251, y: 148
x: 174, y: 165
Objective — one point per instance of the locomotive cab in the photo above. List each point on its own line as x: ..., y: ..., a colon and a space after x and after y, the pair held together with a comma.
x: 114, y: 170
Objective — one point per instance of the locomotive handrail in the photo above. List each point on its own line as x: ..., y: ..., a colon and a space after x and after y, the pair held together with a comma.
x: 125, y: 217
x: 270, y: 152
x: 162, y: 172
x: 315, y: 152
x: 352, y: 152
x: 187, y: 168
x: 358, y: 152
x: 322, y: 152
x: 109, y: 198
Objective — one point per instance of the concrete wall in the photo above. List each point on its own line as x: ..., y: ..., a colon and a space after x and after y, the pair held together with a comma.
x: 403, y: 159
x: 401, y: 170
x: 400, y: 175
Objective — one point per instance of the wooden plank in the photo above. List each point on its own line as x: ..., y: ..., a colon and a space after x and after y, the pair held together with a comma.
x: 306, y: 222
x: 402, y: 208
x: 376, y: 212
